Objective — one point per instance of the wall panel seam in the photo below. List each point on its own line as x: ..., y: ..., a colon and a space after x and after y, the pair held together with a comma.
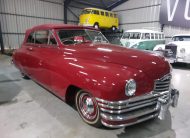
x: 137, y: 8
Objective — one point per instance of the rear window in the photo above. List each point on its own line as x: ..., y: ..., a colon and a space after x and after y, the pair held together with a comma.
x: 31, y: 38
x: 42, y: 37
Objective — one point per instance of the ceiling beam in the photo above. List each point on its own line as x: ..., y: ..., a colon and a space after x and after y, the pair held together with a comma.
x: 88, y: 4
x: 115, y: 4
x: 66, y: 4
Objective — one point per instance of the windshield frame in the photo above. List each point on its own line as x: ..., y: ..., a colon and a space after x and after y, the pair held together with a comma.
x: 85, y: 30
x: 181, y: 37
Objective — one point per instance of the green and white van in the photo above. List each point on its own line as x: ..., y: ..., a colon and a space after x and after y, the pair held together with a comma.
x: 142, y: 39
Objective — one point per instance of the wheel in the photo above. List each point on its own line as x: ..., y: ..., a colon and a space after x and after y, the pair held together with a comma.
x: 88, y: 108
x: 113, y: 28
x: 96, y: 26
x: 24, y: 76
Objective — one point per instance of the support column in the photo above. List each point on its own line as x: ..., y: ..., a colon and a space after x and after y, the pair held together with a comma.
x: 1, y: 40
x: 66, y: 4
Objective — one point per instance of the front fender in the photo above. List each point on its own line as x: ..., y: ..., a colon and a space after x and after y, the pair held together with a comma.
x: 105, y: 80
x: 159, y: 47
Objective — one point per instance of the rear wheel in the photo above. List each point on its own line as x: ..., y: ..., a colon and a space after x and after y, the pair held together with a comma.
x: 88, y: 108
x: 24, y: 76
x: 96, y: 25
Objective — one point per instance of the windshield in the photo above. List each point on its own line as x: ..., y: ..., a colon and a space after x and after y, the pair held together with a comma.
x: 181, y: 38
x: 86, y: 11
x: 131, y: 35
x: 69, y: 36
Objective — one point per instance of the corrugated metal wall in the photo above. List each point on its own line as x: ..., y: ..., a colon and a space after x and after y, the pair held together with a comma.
x: 18, y: 15
x: 138, y: 14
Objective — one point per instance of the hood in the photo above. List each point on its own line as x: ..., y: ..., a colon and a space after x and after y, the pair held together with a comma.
x: 148, y: 62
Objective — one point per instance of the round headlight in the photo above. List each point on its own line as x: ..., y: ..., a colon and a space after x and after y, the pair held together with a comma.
x: 130, y: 87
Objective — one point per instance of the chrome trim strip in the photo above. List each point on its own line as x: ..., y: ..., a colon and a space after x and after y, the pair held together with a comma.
x: 128, y: 116
x: 129, y: 124
x: 134, y: 99
x: 127, y: 109
x: 166, y: 85
x: 127, y: 105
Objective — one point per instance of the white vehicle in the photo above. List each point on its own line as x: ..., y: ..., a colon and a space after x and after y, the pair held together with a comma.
x: 142, y: 39
x: 178, y: 50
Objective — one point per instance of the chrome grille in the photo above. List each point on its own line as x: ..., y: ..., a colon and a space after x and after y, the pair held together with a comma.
x: 141, y: 108
x: 162, y: 84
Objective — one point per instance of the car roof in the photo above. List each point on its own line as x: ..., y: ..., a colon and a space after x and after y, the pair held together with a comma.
x: 58, y: 26
x: 97, y: 9
x: 143, y: 31
x: 181, y: 35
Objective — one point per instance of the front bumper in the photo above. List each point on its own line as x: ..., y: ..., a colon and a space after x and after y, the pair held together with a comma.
x: 138, y: 109
x: 178, y: 59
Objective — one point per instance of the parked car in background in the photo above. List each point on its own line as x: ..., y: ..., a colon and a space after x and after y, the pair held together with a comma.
x: 109, y: 85
x: 99, y: 18
x: 178, y: 50
x: 142, y: 39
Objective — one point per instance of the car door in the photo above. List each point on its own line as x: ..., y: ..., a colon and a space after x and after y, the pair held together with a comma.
x: 47, y: 53
x: 29, y: 48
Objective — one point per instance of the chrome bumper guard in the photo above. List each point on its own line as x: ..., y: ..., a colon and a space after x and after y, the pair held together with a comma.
x: 138, y: 109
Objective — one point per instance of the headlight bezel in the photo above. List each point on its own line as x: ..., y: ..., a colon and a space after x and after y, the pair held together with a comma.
x: 130, y: 87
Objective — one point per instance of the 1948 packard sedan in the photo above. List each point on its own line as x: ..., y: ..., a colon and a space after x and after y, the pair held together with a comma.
x: 110, y: 85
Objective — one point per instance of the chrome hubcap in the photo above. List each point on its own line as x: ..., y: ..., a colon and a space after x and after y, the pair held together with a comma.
x: 87, y: 106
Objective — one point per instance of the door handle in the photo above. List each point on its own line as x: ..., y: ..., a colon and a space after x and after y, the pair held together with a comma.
x: 30, y: 48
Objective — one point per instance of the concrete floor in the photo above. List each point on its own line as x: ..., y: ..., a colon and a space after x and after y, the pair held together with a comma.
x: 32, y: 112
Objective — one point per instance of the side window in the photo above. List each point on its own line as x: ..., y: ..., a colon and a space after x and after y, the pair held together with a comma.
x: 51, y: 39
x: 143, y: 36
x: 147, y: 36
x: 156, y: 36
x: 107, y: 14
x: 160, y: 36
x: 31, y: 38
x: 41, y: 37
x: 95, y: 12
x: 115, y: 16
x: 111, y: 14
x: 102, y: 13
x: 152, y: 36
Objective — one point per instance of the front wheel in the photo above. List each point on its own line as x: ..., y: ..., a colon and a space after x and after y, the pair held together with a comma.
x: 113, y: 28
x: 88, y: 108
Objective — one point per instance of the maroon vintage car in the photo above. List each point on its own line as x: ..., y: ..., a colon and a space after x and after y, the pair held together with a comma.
x: 109, y: 84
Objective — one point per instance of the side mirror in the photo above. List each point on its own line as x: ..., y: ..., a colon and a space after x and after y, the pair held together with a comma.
x: 79, y: 39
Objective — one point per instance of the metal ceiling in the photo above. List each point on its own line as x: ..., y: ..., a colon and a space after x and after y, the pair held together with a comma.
x: 103, y: 4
